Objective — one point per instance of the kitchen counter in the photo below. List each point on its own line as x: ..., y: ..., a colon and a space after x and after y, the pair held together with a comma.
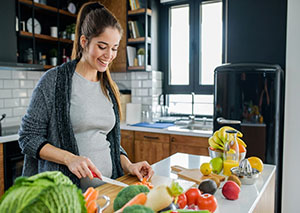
x: 258, y: 197
x: 166, y: 131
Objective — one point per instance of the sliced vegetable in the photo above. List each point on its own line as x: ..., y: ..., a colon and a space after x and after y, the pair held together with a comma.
x: 145, y: 183
x: 159, y: 198
x: 92, y: 197
x: 88, y: 192
x: 139, y: 199
x: 92, y: 207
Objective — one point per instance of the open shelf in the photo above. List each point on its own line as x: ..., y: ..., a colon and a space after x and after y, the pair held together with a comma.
x: 140, y: 11
x: 45, y: 37
x: 46, y: 7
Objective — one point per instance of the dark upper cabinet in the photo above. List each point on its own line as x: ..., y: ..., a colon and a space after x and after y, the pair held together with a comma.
x: 8, y: 38
x: 256, y: 31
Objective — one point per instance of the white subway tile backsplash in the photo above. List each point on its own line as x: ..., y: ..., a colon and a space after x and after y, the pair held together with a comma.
x: 12, y: 121
x: 7, y: 111
x: 136, y: 100
x: 6, y: 93
x: 141, y: 75
x: 19, y: 93
x: 1, y: 83
x: 8, y: 84
x: 26, y: 84
x: 18, y: 75
x: 25, y: 102
x: 1, y: 103
x: 29, y: 92
x: 141, y: 92
x: 147, y: 100
x: 5, y: 74
x: 12, y: 102
x: 147, y: 83
x: 33, y: 75
x: 19, y: 111
x: 136, y: 84
x: 157, y: 75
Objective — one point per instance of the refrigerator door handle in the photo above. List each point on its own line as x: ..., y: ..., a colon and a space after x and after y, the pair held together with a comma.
x: 222, y: 120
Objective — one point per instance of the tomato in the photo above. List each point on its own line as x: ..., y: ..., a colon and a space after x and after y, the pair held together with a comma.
x: 182, y: 201
x: 207, y: 202
x: 192, y: 195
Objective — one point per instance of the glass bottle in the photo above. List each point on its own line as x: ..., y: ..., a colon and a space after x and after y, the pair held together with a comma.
x: 231, y: 152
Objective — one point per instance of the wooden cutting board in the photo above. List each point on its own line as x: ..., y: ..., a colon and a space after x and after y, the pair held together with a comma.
x: 111, y: 190
x: 193, y: 174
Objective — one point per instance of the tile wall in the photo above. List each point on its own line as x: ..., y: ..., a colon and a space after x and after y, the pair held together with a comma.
x: 15, y: 91
x: 16, y: 88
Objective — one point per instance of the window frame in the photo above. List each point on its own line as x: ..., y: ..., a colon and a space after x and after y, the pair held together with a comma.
x: 194, y: 52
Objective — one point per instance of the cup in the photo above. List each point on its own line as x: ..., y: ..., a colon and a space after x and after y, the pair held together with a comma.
x: 53, y: 31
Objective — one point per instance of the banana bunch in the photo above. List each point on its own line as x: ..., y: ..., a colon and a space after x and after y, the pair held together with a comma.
x: 217, y: 141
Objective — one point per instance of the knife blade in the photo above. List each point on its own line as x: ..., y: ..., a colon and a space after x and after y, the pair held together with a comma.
x: 114, y: 182
x: 109, y: 180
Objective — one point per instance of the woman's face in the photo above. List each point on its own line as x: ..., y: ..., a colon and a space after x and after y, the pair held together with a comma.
x: 102, y: 49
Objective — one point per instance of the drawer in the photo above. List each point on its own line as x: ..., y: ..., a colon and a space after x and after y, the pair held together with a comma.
x: 189, y: 140
x: 125, y: 134
x: 162, y: 138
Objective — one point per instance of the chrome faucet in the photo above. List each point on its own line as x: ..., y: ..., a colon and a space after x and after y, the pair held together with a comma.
x: 192, y: 116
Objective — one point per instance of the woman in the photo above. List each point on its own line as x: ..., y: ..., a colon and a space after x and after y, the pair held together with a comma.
x: 72, y: 123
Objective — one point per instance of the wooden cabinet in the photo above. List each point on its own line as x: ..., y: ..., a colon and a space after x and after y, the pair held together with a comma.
x: 188, y: 144
x: 152, y: 147
x: 127, y: 142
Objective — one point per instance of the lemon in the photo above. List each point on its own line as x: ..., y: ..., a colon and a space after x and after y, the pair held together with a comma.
x: 205, y: 168
x: 231, y: 151
x: 256, y: 163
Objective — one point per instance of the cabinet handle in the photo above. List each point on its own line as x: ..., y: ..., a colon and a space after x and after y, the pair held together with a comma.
x: 172, y: 139
x: 151, y: 137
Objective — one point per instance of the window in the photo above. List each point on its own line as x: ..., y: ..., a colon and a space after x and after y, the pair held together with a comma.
x: 194, y: 50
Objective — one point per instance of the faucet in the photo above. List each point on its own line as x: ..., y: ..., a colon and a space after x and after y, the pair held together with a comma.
x: 192, y: 116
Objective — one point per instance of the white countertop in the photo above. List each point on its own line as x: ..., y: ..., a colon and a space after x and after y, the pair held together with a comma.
x: 166, y: 131
x: 9, y: 138
x: 248, y: 197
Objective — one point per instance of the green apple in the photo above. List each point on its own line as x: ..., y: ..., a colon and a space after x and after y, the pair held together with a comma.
x: 216, y: 164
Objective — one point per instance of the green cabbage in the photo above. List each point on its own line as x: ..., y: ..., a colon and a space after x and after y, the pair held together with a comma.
x: 44, y: 192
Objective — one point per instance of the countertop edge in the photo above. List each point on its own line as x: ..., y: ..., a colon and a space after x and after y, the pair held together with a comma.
x: 9, y: 138
x: 124, y: 126
x: 263, y: 189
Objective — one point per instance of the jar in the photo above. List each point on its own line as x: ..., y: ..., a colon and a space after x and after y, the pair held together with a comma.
x: 231, y: 152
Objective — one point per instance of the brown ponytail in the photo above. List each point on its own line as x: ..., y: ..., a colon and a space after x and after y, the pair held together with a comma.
x: 92, y: 20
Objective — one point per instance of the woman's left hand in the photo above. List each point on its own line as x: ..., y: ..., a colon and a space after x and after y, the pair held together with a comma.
x: 141, y: 169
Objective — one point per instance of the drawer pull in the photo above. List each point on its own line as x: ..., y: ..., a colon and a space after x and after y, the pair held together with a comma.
x: 172, y: 139
x: 151, y: 137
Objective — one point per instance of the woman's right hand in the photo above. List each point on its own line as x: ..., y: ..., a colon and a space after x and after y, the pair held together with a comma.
x: 81, y: 166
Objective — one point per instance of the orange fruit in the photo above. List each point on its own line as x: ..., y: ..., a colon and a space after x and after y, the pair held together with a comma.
x: 256, y: 163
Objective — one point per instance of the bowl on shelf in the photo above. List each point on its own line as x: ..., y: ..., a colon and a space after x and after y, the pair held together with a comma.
x: 215, y: 153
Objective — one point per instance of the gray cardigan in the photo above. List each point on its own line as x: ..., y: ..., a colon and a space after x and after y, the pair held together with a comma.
x: 47, y: 120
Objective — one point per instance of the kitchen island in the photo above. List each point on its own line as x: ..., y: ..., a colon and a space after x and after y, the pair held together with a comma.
x: 258, y: 197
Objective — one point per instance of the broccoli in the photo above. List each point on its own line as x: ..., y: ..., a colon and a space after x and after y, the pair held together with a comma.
x: 127, y: 194
x: 137, y: 209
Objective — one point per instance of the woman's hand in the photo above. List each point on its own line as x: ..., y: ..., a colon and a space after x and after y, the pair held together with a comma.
x: 81, y: 166
x: 141, y: 170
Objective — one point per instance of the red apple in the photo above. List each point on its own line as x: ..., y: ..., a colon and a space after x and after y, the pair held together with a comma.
x: 231, y: 190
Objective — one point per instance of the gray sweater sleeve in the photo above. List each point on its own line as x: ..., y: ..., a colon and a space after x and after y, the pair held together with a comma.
x: 34, y: 125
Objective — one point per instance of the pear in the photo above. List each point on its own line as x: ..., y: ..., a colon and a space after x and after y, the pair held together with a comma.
x: 216, y: 164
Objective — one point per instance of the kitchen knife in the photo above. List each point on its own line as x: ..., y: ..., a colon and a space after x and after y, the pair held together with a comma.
x: 109, y: 180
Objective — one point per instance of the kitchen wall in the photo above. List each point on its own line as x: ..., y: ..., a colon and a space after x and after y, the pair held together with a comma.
x: 145, y: 86
x: 291, y: 169
x: 16, y: 88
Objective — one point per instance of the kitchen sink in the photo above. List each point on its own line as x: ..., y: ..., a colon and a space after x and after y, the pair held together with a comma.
x: 204, y: 129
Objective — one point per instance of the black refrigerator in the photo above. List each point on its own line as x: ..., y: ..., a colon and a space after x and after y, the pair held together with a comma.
x: 249, y: 97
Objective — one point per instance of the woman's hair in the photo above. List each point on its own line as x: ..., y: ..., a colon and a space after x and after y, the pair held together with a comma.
x: 92, y: 20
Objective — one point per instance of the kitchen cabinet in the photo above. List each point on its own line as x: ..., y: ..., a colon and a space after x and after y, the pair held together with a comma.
x: 35, y: 43
x: 127, y: 142
x: 151, y: 147
x: 188, y: 144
